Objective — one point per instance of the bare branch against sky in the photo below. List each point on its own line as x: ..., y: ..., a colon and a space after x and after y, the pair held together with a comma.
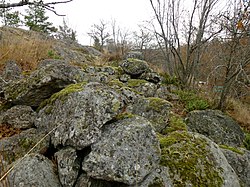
x: 49, y: 5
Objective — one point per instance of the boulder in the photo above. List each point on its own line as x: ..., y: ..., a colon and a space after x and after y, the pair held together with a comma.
x: 154, y: 109
x: 15, y: 147
x: 20, y: 116
x: 151, y: 77
x: 127, y: 152
x: 143, y: 87
x: 134, y: 67
x: 68, y: 166
x: 217, y: 126
x: 42, y: 83
x: 79, y: 111
x: 240, y: 162
x: 194, y: 160
x: 33, y: 170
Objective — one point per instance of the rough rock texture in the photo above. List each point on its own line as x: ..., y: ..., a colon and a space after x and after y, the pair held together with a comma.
x: 127, y: 152
x: 217, y: 126
x: 151, y: 77
x: 134, y: 67
x: 20, y: 116
x: 17, y: 146
x: 68, y: 166
x: 42, y: 83
x: 83, y: 110
x: 143, y: 87
x: 240, y: 162
x: 11, y: 71
x: 154, y: 109
x: 194, y: 160
x: 34, y: 170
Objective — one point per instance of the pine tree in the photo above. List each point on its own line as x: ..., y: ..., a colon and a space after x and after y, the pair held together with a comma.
x: 65, y: 32
x: 36, y: 19
x: 10, y: 18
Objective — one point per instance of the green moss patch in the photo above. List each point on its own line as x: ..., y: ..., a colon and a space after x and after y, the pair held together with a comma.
x: 135, y: 82
x: 188, y: 160
x: 176, y: 123
x: 158, y: 104
x: 61, y: 94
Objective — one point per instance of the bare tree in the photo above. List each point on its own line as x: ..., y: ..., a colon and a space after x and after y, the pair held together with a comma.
x: 234, y: 53
x: 49, y: 5
x: 100, y: 34
x: 181, y: 35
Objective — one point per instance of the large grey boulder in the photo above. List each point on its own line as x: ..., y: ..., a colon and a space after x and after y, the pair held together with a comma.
x: 217, y: 126
x: 68, y: 165
x: 79, y: 111
x: 42, y: 83
x: 34, y: 170
x: 154, y: 109
x: 127, y: 152
x: 194, y: 160
x: 15, y: 147
x: 20, y: 116
x: 240, y: 162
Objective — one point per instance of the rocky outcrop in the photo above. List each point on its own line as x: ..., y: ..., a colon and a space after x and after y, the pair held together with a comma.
x: 217, y: 126
x: 112, y: 126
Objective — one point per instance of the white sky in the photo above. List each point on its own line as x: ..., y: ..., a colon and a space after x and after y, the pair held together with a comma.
x: 81, y: 14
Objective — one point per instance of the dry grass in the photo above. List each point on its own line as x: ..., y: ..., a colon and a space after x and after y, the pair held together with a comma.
x: 240, y: 112
x: 27, y: 54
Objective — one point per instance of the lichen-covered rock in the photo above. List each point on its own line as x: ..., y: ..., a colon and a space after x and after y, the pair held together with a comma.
x: 42, y: 83
x: 79, y: 111
x: 194, y: 160
x: 151, y: 77
x: 154, y: 109
x: 11, y: 71
x: 240, y: 162
x: 164, y: 93
x: 15, y: 147
x: 20, y: 116
x: 134, y: 67
x: 34, y: 170
x: 127, y: 152
x: 68, y: 166
x: 146, y: 88
x: 217, y: 126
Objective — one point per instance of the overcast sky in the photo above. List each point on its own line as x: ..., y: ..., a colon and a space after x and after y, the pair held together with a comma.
x: 81, y: 14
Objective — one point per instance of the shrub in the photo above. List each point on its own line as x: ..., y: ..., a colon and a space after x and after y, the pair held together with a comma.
x: 167, y: 79
x: 192, y: 101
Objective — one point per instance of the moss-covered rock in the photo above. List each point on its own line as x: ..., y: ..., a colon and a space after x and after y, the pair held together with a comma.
x: 144, y: 87
x: 42, y: 83
x: 194, y: 160
x: 134, y: 67
x: 83, y: 110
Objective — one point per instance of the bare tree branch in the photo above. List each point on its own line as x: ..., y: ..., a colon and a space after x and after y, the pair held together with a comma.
x: 49, y: 6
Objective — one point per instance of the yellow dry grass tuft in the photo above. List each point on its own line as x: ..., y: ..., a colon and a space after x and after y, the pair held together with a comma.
x: 240, y: 112
x: 27, y: 53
